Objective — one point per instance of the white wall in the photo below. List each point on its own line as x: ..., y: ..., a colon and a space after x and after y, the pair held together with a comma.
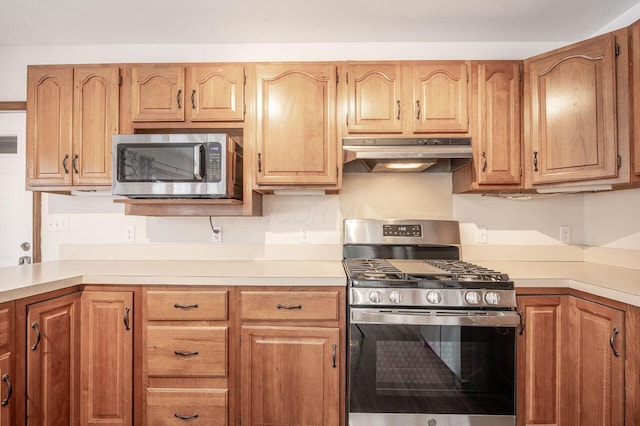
x: 612, y: 219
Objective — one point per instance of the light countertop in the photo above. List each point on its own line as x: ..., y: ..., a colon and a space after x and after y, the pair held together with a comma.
x: 621, y: 284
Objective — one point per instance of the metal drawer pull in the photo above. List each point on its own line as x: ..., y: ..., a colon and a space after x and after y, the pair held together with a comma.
x: 126, y: 318
x: 612, y: 341
x: 522, y: 322
x: 535, y: 161
x: 74, y: 164
x: 177, y: 352
x: 418, y: 108
x: 484, y: 161
x: 64, y: 164
x: 181, y: 417
x: 333, y: 355
x: 34, y: 325
x: 193, y: 99
x: 398, y: 103
x: 178, y: 306
x: 178, y: 99
x: 5, y: 401
x: 289, y: 307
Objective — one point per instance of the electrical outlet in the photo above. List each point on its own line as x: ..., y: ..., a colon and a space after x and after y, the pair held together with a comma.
x: 130, y: 234
x: 57, y: 223
x: 216, y: 234
x: 481, y: 235
x: 565, y: 234
x: 304, y: 235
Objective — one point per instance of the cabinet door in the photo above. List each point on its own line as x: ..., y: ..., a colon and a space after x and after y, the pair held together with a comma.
x: 573, y: 113
x: 95, y: 121
x: 49, y: 125
x: 290, y: 376
x: 6, y: 376
x: 157, y: 93
x: 497, y: 142
x: 440, y: 97
x: 539, y: 360
x: 216, y: 93
x: 106, y: 360
x: 374, y: 97
x: 296, y: 134
x: 597, y: 346
x: 635, y: 67
x: 52, y: 361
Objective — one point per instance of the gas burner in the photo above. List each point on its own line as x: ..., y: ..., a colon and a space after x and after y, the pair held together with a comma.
x: 465, y: 271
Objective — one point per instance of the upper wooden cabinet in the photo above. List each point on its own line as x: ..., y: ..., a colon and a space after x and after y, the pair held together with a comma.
x: 407, y: 98
x: 635, y: 83
x: 296, y: 135
x: 72, y: 113
x: 572, y: 113
x: 211, y: 92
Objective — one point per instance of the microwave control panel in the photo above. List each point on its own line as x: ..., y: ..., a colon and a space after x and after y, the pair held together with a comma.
x: 214, y: 162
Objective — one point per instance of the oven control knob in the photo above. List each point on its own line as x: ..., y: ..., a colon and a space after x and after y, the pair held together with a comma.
x: 375, y: 296
x: 434, y: 297
x: 395, y: 297
x: 492, y: 298
x: 472, y: 297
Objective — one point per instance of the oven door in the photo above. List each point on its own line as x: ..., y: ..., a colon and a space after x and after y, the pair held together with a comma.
x: 425, y: 367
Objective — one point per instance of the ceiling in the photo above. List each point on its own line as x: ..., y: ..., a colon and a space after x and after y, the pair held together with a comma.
x: 87, y: 22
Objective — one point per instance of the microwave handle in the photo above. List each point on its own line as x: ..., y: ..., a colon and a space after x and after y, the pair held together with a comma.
x: 198, y: 161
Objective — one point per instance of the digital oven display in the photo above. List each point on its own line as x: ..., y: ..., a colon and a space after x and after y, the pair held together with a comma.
x: 401, y: 231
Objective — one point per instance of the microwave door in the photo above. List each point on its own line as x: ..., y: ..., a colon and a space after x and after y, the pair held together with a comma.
x: 198, y: 162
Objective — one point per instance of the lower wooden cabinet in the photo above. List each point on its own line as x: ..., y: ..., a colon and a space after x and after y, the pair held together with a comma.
x: 7, y: 356
x: 178, y: 406
x: 571, y: 362
x: 290, y: 376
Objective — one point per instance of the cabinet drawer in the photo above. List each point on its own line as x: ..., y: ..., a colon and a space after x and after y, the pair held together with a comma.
x: 186, y: 305
x: 186, y: 351
x: 6, y: 314
x: 167, y: 406
x: 290, y: 305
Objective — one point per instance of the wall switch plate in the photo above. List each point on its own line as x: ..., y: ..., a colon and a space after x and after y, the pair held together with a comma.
x: 565, y: 234
x: 57, y: 223
x: 481, y: 235
x: 216, y: 234
x: 130, y: 234
x: 305, y: 235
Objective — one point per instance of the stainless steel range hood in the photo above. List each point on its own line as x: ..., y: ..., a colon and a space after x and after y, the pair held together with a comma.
x: 376, y: 155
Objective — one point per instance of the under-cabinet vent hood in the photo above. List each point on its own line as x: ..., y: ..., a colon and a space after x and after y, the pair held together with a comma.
x: 364, y: 155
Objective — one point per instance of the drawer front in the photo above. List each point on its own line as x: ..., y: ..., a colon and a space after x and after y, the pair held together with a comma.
x: 187, y: 305
x: 187, y: 406
x: 290, y: 305
x: 6, y: 313
x: 186, y: 351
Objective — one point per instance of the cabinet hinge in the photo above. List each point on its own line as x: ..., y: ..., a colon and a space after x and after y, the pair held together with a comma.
x: 617, y: 49
x: 619, y: 161
x: 347, y: 119
x: 347, y: 78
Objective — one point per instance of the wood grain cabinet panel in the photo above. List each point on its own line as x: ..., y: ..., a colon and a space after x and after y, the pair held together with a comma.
x: 193, y: 305
x: 290, y: 305
x: 440, y: 96
x: 157, y: 93
x: 106, y: 362
x: 497, y: 139
x: 374, y: 98
x: 174, y: 406
x: 53, y: 330
x: 635, y: 85
x: 573, y: 113
x: 295, y: 127
x: 290, y: 376
x: 7, y: 370
x: 216, y: 93
x: 72, y: 113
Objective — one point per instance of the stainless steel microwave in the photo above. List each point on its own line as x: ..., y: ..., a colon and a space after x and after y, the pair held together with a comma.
x: 177, y: 166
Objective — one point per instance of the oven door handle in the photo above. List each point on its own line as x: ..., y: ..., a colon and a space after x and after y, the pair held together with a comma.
x: 434, y: 317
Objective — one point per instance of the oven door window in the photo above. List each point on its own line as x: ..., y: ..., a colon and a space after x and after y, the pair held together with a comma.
x: 161, y: 162
x: 432, y: 369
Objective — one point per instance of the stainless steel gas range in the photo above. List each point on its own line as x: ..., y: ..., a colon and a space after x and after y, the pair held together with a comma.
x: 432, y: 338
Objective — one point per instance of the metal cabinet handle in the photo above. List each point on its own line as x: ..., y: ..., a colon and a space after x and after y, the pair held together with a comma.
x: 522, y: 322
x: 289, y: 307
x: 612, y: 341
x: 74, y: 164
x: 126, y: 318
x: 484, y: 161
x: 181, y: 417
x: 178, y: 306
x: 181, y: 353
x: 64, y: 164
x: 398, y: 103
x: 5, y: 402
x: 178, y: 98
x: 535, y: 161
x: 333, y: 355
x: 193, y: 99
x: 259, y: 163
x: 418, y: 108
x: 34, y: 325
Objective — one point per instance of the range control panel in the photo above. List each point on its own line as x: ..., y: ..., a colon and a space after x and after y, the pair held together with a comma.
x: 401, y: 231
